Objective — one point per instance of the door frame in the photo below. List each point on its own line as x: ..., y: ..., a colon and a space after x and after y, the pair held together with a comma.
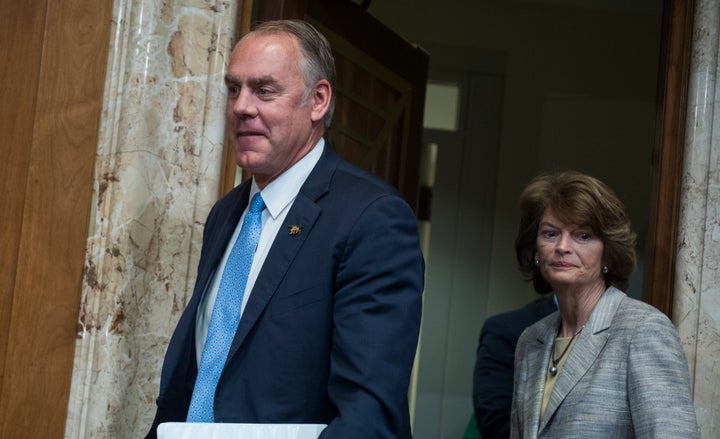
x: 667, y: 161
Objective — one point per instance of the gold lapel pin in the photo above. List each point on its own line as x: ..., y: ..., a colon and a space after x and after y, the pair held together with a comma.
x: 295, y: 229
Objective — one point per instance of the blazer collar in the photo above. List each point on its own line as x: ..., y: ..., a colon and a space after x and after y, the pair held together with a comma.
x: 318, y: 182
x: 588, y: 345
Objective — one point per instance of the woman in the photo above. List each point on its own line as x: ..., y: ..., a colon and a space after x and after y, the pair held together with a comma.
x: 604, y: 365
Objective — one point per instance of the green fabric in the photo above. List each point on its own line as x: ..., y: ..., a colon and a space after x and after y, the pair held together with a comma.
x: 471, y: 431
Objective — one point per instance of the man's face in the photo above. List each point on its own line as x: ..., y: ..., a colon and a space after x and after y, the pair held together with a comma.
x: 272, y: 119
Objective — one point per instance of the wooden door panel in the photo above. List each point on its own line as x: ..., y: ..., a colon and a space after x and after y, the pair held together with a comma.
x: 381, y: 82
x: 52, y: 102
x: 374, y: 104
x: 18, y: 97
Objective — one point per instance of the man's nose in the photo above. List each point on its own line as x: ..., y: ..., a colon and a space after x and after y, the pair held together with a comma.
x: 244, y: 105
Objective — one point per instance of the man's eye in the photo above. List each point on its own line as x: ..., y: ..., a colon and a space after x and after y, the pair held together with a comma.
x: 233, y: 90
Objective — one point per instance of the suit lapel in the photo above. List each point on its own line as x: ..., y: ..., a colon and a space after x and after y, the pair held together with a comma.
x: 304, y: 212
x: 221, y: 230
x: 225, y: 225
x: 588, y: 345
x: 538, y: 358
x: 284, y: 250
x: 221, y: 225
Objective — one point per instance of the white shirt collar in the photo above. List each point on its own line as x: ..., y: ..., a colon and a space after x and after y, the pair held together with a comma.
x: 280, y: 193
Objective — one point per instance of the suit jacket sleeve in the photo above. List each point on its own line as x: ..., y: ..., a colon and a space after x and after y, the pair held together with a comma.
x: 659, y: 383
x: 376, y: 314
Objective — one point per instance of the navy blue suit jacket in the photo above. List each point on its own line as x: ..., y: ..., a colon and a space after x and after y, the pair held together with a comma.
x: 331, y: 326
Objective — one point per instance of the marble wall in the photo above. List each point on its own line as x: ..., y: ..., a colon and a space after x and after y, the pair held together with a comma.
x: 157, y: 175
x: 697, y: 289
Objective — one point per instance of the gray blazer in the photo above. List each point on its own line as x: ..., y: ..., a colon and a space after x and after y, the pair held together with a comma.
x: 626, y: 377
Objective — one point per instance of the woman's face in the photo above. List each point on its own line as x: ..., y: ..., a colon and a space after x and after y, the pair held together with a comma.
x: 570, y: 255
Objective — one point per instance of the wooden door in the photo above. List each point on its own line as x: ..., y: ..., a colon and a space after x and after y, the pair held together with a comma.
x: 51, y: 86
x: 380, y: 91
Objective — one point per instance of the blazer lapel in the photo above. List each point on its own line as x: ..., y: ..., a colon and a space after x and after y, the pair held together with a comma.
x: 588, y: 345
x: 216, y: 242
x: 538, y: 358
x: 305, y: 212
x: 227, y: 221
x: 283, y: 252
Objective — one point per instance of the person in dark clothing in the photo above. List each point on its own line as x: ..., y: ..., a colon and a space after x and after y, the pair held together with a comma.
x: 493, y: 376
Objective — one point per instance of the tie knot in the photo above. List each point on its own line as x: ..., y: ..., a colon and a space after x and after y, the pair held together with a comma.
x: 257, y: 204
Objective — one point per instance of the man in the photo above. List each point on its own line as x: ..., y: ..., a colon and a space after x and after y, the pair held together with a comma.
x: 331, y: 310
x: 494, y: 366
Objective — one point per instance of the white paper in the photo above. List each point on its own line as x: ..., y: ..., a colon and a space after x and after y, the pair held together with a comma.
x: 197, y: 430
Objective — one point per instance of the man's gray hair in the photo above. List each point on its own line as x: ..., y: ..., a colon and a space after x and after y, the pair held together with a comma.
x: 317, y: 62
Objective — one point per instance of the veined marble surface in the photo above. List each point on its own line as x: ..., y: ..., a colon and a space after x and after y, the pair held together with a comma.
x: 157, y: 175
x: 696, y: 310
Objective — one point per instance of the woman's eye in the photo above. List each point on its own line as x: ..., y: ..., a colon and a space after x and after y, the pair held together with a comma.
x: 548, y: 233
x: 584, y: 236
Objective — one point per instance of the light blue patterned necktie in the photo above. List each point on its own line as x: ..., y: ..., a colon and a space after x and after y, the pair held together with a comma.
x: 226, y: 314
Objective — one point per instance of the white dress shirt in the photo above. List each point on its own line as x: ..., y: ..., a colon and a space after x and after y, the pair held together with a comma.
x: 278, y: 195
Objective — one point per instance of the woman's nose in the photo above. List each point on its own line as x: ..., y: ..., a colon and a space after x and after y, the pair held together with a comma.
x: 563, y: 244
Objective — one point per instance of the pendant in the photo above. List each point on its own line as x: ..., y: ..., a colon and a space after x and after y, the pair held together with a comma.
x: 553, y: 371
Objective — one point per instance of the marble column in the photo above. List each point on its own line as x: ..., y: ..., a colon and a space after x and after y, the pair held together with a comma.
x: 157, y: 175
x: 697, y: 286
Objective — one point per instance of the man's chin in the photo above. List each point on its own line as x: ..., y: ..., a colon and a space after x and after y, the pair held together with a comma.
x: 248, y: 161
x: 246, y: 154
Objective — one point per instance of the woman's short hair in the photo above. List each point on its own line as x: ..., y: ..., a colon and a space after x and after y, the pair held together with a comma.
x: 576, y: 198
x: 317, y: 61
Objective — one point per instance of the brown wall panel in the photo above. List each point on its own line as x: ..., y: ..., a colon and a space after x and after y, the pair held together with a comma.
x: 21, y: 34
x: 58, y: 134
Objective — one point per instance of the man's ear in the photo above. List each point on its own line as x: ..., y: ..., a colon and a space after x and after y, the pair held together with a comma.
x: 320, y: 100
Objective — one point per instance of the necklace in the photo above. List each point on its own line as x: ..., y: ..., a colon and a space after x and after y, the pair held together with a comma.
x: 553, y: 369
